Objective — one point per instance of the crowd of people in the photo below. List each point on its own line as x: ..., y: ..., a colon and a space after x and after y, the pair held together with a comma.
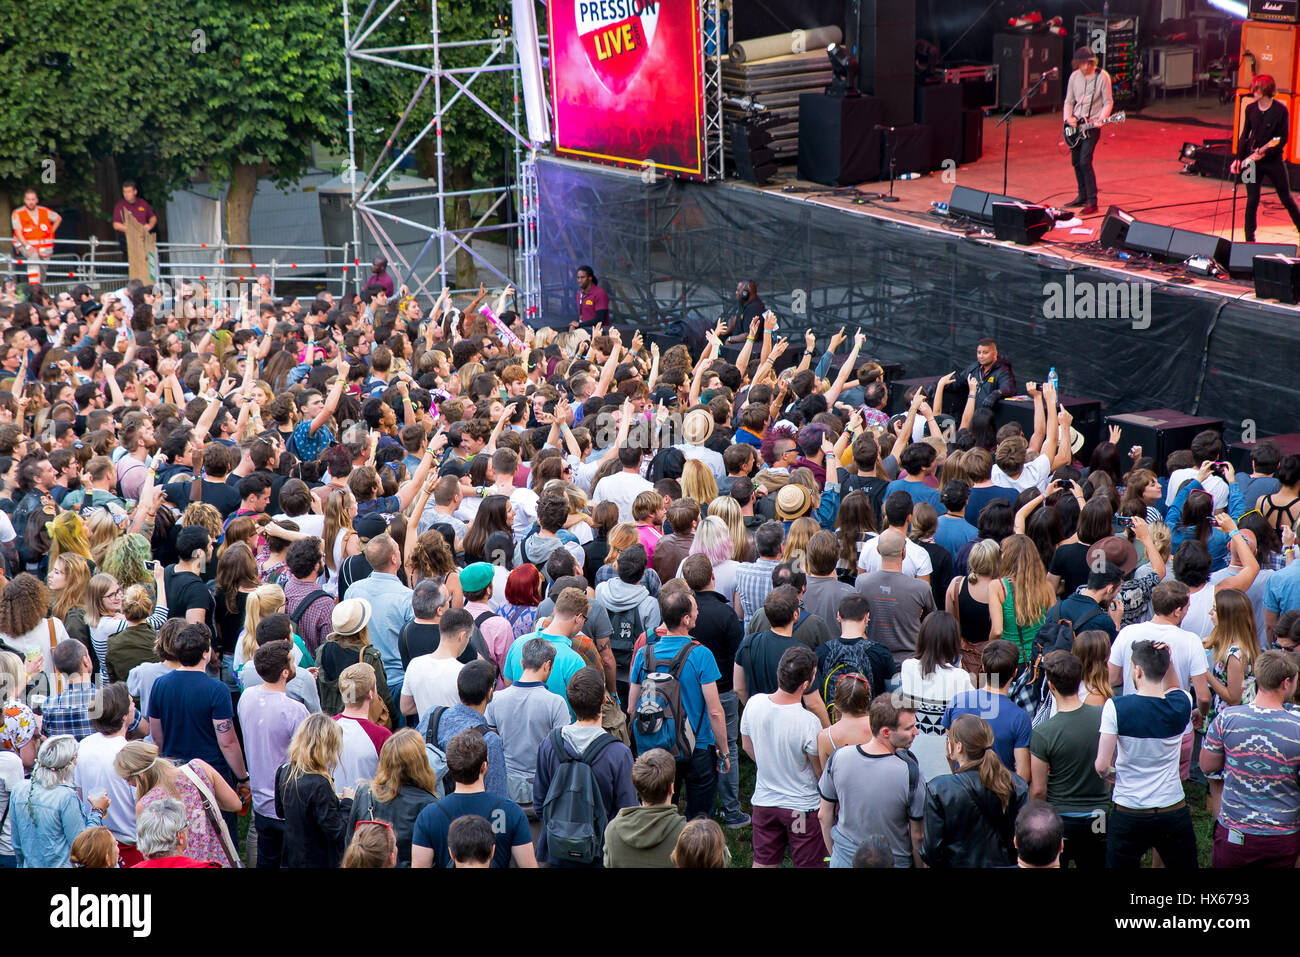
x: 338, y: 584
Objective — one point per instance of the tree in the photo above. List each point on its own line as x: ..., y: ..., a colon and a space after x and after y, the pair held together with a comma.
x: 265, y: 81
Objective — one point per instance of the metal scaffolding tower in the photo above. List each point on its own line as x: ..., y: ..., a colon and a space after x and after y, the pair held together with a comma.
x: 514, y: 203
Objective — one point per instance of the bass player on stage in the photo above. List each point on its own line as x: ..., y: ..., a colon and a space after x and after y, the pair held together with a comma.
x: 1087, y: 99
x: 1262, y: 144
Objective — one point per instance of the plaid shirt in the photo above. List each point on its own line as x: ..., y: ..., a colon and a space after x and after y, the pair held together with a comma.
x: 315, y: 625
x: 874, y: 417
x: 69, y: 712
x: 754, y: 582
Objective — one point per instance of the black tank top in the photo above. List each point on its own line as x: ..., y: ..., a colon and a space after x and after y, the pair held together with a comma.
x: 1269, y: 509
x: 974, y: 615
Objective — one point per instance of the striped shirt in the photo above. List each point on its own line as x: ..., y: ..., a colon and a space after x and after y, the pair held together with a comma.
x: 1261, y: 751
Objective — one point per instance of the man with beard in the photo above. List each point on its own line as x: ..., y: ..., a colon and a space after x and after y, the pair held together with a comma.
x: 139, y: 443
x: 187, y: 596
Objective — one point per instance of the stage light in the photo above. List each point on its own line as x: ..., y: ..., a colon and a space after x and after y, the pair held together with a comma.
x: 842, y: 67
x: 1236, y: 7
x: 1188, y: 152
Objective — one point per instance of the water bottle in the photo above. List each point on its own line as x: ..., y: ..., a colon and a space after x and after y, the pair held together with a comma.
x: 910, y: 176
x: 940, y: 207
x: 1051, y: 377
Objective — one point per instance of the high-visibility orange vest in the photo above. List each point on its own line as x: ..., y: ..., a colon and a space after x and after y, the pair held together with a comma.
x: 37, y: 232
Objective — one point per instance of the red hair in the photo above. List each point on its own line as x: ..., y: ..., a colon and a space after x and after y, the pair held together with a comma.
x: 524, y: 586
x: 1264, y: 84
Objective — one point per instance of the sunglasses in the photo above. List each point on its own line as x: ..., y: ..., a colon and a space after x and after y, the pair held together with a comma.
x: 383, y: 824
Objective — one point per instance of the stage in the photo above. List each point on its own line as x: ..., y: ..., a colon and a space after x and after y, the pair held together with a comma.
x: 924, y: 288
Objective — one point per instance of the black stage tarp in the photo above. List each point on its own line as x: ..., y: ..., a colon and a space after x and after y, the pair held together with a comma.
x: 672, y: 250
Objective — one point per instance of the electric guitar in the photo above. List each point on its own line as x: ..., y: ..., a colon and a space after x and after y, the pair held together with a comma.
x: 1074, y: 134
x: 1259, y: 153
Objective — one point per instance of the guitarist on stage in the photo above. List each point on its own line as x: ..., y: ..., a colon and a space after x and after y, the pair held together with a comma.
x: 1087, y: 99
x: 1262, y: 144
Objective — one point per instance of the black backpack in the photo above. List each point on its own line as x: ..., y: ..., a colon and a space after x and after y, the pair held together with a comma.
x: 1029, y: 687
x: 307, y: 601
x: 627, y: 631
x: 573, y: 812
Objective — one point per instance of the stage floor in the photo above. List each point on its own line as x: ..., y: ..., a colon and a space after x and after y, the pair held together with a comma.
x: 1138, y: 169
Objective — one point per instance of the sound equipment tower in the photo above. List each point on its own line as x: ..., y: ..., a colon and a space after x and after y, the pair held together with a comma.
x: 882, y: 37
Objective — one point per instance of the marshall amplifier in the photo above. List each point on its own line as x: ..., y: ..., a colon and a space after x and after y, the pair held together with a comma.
x: 1276, y: 11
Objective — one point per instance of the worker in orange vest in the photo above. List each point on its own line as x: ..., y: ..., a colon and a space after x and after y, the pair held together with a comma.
x: 34, y: 227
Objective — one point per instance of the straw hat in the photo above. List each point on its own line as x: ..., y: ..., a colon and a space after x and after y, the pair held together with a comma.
x: 697, y: 426
x: 350, y: 616
x: 792, y: 501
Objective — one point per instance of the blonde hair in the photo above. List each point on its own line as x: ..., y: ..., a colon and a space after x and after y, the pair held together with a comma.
x: 68, y: 536
x: 263, y: 601
x: 336, y: 519
x: 13, y: 676
x: 984, y: 561
x: 103, y: 532
x: 621, y: 536
x: 728, y: 509
x: 139, y: 763
x: 698, y: 482
x: 700, y: 844
x: 137, y: 604
x: 1032, y: 595
x: 402, y: 760
x: 76, y: 571
x: 796, y: 541
x: 315, y: 747
x: 205, y: 516
x: 1161, y: 538
x: 355, y: 682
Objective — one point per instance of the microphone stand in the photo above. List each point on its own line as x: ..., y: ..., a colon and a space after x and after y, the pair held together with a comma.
x: 893, y: 151
x: 1006, y: 122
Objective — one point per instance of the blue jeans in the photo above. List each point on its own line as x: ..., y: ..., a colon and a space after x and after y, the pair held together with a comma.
x: 729, y: 783
x: 7, y: 861
x: 700, y: 775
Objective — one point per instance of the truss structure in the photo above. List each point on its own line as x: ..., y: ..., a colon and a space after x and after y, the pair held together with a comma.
x: 512, y: 203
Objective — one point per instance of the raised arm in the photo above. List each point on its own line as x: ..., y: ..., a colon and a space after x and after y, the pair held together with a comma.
x: 846, y: 370
x: 336, y: 393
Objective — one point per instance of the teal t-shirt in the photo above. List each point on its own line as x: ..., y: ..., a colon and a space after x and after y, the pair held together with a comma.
x: 567, y: 663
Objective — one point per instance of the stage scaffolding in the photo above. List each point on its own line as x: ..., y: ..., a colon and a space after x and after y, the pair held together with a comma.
x: 515, y: 202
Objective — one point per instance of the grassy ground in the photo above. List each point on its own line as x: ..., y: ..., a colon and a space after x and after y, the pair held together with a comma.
x: 740, y: 842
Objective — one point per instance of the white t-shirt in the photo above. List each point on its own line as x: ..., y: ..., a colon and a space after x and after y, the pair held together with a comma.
x: 309, y: 524
x: 7, y: 533
x: 1197, y: 619
x: 11, y: 775
x: 1034, y: 474
x: 783, y: 735
x: 1186, y: 653
x: 1146, y: 766
x: 1216, y: 486
x: 359, y: 759
x: 432, y: 682
x: 916, y: 560
x: 621, y: 488
x: 94, y: 772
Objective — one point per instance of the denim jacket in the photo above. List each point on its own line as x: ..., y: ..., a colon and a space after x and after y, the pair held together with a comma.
x: 45, y: 822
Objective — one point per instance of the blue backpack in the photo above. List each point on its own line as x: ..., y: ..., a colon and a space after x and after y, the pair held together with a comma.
x: 660, y: 720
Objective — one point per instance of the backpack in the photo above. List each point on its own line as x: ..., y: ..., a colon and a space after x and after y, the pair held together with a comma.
x: 523, y: 550
x: 477, y: 643
x: 437, y: 755
x: 627, y: 630
x: 659, y: 721
x: 1028, y: 688
x: 573, y: 813
x: 307, y: 601
x: 841, y: 660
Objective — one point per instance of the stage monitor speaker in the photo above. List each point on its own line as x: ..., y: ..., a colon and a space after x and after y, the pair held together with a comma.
x: 1149, y: 238
x: 1021, y: 60
x: 965, y: 201
x: 1160, y: 432
x: 882, y: 35
x: 1185, y: 244
x: 750, y: 156
x: 972, y: 143
x: 1277, y: 277
x: 1020, y: 223
x: 910, y: 146
x: 1241, y: 258
x: 1114, y: 229
x: 993, y: 200
x: 938, y: 106
x: 839, y: 144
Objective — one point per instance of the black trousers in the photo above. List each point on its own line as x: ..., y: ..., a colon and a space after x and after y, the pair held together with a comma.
x: 1081, y: 159
x: 270, y: 841
x: 1085, y: 842
x: 1128, y: 836
x: 1275, y: 172
x: 700, y: 775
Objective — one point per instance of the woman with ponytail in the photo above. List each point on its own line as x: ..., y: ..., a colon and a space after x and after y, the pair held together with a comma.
x: 970, y: 815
